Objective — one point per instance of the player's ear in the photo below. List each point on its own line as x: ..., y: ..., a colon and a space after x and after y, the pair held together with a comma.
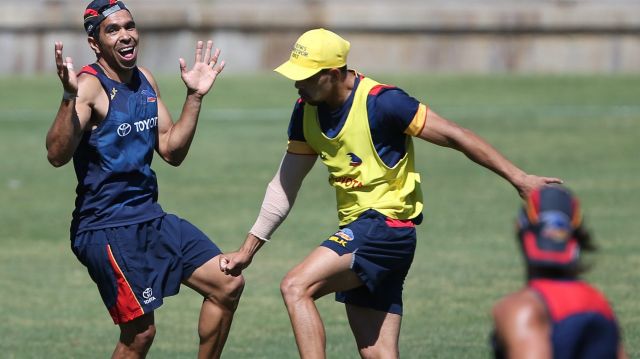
x: 94, y: 44
x: 336, y: 74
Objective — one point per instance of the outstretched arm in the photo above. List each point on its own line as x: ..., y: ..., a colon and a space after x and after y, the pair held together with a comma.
x: 278, y: 200
x: 174, y: 139
x: 445, y: 133
x: 73, y: 114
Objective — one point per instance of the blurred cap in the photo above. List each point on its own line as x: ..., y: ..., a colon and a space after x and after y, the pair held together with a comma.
x: 98, y: 10
x: 315, y: 50
x: 547, y: 225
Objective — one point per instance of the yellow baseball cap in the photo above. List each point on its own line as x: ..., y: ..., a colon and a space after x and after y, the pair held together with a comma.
x: 315, y: 50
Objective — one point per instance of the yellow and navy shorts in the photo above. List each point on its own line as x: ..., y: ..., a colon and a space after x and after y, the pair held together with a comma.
x: 135, y: 266
x: 383, y: 250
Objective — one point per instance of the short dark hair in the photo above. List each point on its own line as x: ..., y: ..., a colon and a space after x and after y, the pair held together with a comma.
x: 343, y: 70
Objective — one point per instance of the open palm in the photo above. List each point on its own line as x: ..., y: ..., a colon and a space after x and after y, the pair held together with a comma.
x: 200, y: 78
x: 64, y: 67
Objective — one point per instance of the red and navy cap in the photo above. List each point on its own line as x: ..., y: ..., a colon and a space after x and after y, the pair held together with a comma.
x: 97, y: 11
x: 546, y: 228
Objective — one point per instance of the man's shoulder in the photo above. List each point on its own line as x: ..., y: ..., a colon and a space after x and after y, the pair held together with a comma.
x: 520, y: 304
x: 88, y: 78
x: 90, y: 69
x: 146, y: 73
x: 89, y: 74
x: 88, y: 82
x: 91, y: 92
x: 375, y: 87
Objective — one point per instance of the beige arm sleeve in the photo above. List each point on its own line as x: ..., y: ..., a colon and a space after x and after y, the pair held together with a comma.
x: 281, y: 193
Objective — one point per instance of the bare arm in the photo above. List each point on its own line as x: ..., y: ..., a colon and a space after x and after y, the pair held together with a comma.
x: 74, y: 113
x: 445, y: 133
x: 622, y: 354
x: 522, y: 326
x: 278, y: 200
x: 174, y: 139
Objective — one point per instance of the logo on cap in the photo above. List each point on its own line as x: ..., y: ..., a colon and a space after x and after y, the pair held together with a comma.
x: 315, y: 50
x: 299, y: 50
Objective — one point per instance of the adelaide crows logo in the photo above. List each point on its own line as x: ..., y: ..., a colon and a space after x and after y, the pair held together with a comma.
x: 355, y: 160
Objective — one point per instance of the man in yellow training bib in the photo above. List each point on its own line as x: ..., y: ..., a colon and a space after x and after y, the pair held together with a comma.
x: 362, y: 131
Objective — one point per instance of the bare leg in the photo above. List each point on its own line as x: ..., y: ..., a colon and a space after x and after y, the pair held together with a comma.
x: 136, y: 338
x: 376, y: 332
x: 221, y: 296
x: 322, y: 272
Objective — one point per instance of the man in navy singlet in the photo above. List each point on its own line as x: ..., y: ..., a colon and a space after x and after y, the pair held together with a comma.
x: 556, y: 315
x: 110, y: 121
x: 363, y: 132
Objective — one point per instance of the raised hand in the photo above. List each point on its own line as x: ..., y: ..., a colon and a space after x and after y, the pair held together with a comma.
x: 64, y: 66
x: 200, y: 78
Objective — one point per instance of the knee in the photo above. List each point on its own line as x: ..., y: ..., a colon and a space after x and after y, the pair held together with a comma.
x: 235, y: 287
x: 138, y: 337
x: 292, y: 288
x: 146, y: 337
x: 231, y: 291
x: 379, y: 353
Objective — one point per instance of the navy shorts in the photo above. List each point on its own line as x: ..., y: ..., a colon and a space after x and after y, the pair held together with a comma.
x: 136, y: 266
x: 383, y: 251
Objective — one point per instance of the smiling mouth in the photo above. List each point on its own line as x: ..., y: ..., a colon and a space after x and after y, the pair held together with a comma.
x: 127, y: 53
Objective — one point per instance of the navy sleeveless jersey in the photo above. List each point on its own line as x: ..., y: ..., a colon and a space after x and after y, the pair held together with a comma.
x: 116, y: 185
x: 583, y: 323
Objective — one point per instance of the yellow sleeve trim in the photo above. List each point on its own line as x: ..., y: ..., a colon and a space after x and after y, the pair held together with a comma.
x: 300, y: 148
x: 417, y: 124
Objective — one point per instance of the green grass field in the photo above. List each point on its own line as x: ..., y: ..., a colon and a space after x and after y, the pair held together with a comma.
x: 582, y: 129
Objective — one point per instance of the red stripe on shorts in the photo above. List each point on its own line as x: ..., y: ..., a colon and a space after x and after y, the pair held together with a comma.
x: 127, y: 306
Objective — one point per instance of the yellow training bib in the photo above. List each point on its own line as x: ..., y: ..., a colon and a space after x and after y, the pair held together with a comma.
x: 361, y: 179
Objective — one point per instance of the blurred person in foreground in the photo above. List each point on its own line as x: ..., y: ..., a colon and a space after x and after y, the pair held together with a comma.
x: 110, y: 121
x: 362, y: 131
x: 556, y: 315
